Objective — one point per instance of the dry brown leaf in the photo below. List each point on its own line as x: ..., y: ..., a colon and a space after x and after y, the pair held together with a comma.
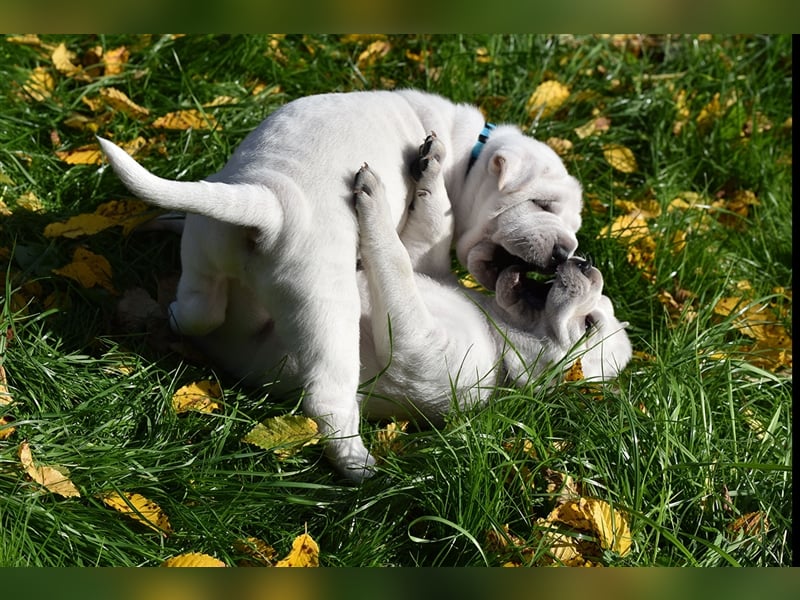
x: 304, y: 553
x: 138, y: 508
x: 193, y: 559
x: 52, y: 478
x: 596, y: 126
x: 186, y: 119
x: 198, y: 396
x: 753, y: 524
x: 547, y: 98
x: 620, y: 158
x: 118, y: 100
x: 88, y: 269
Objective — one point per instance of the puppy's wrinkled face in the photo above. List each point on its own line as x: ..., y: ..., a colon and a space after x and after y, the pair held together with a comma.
x: 526, y: 211
x: 569, y: 314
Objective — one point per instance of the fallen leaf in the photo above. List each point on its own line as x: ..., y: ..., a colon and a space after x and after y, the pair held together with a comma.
x: 30, y: 201
x: 256, y: 549
x: 620, y: 158
x: 373, y: 53
x: 752, y: 524
x: 138, y: 508
x: 469, y: 282
x: 193, y: 559
x: 88, y: 269
x: 596, y: 126
x: 575, y: 372
x: 6, y: 430
x: 90, y: 154
x: 118, y: 100
x: 482, y: 55
x: 561, y: 146
x: 126, y: 213
x: 186, y: 119
x: 389, y: 439
x: 40, y: 84
x: 547, y: 98
x: 63, y: 62
x: 304, y: 553
x: 284, y: 435
x: 582, y: 517
x: 52, y: 478
x: 198, y: 396
x: 115, y: 60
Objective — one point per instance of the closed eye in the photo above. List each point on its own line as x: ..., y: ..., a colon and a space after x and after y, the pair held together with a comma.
x: 545, y: 205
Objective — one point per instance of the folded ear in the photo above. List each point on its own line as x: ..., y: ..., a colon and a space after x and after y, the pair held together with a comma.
x: 508, y: 166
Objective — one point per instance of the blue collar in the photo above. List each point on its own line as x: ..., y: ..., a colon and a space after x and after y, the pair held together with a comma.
x: 482, y: 139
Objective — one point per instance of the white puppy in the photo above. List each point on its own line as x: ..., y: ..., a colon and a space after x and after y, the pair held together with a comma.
x: 426, y: 341
x: 269, y: 246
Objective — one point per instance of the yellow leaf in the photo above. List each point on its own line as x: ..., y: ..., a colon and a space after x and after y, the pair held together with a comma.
x: 62, y: 61
x: 197, y: 396
x: 374, y: 52
x: 119, y: 101
x: 186, y: 119
x: 30, y: 201
x: 193, y: 559
x: 257, y: 549
x: 620, y: 158
x: 138, y: 508
x: 284, y: 435
x: 389, y: 439
x: 5, y: 400
x: 594, y: 127
x: 585, y: 516
x: 115, y: 59
x: 304, y: 553
x: 469, y: 282
x: 40, y: 84
x: 547, y: 98
x: 575, y: 372
x: 89, y: 154
x: 482, y: 55
x: 50, y: 477
x: 561, y: 146
x: 88, y: 269
x: 127, y: 213
x: 221, y: 101
x: 87, y: 224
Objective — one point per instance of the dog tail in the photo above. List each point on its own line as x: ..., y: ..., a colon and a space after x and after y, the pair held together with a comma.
x: 238, y: 204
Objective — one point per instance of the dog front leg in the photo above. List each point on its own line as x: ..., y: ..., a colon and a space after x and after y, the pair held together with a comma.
x: 428, y: 232
x: 404, y: 332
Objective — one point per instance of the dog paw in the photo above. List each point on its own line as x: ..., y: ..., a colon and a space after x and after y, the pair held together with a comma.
x: 367, y: 190
x: 428, y: 162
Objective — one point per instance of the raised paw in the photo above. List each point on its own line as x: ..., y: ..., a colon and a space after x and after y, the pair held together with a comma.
x: 429, y: 159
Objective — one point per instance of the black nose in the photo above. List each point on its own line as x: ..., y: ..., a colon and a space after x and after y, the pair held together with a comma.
x: 560, y: 254
x: 585, y: 264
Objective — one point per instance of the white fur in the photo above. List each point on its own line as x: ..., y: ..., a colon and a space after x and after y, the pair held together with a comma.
x: 270, y: 245
x: 427, y: 341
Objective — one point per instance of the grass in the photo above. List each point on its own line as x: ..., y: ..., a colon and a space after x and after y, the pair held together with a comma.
x: 695, y: 434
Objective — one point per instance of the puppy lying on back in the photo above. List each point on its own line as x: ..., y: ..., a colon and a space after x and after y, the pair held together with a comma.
x: 422, y: 339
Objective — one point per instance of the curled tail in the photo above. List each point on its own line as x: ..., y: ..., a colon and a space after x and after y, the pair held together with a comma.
x: 245, y: 204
